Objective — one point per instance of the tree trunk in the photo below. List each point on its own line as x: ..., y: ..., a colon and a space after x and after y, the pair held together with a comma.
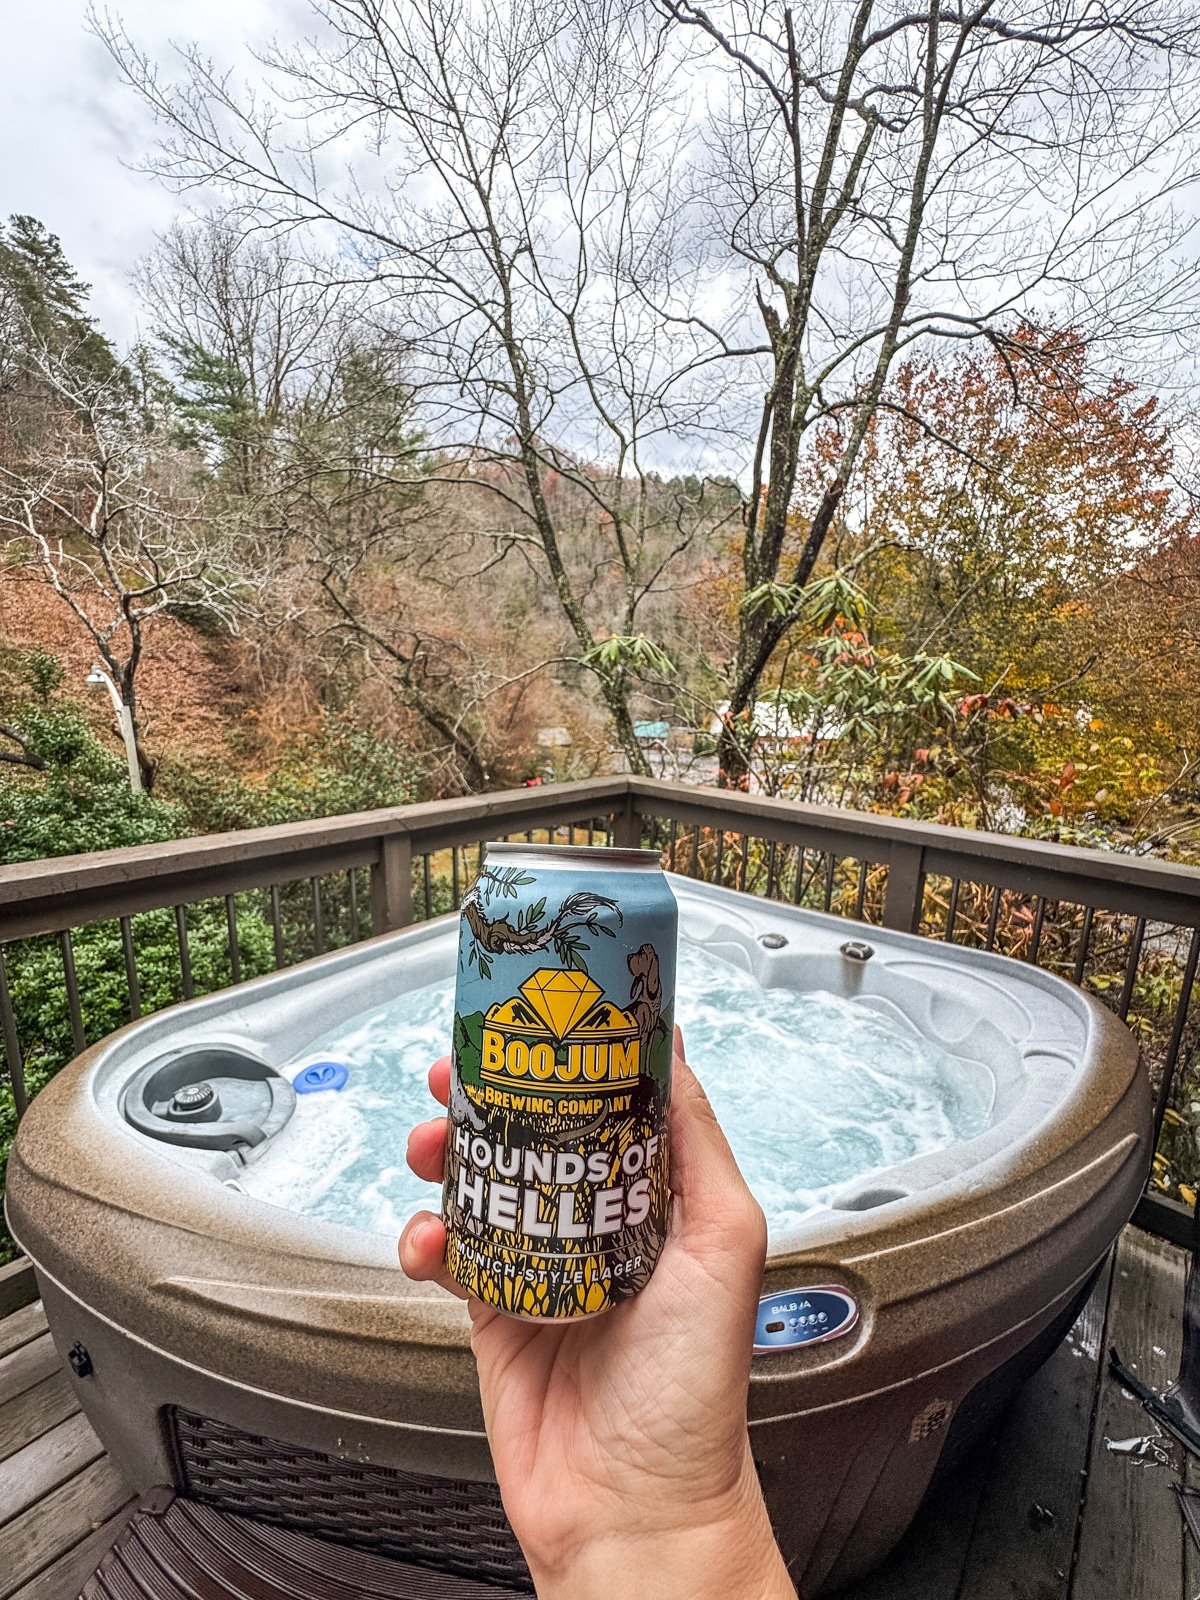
x: 626, y: 737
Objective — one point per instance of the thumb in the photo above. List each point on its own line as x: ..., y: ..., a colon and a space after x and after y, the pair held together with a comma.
x: 710, y: 1197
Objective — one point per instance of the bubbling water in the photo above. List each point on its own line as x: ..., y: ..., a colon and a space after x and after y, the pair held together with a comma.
x: 813, y: 1091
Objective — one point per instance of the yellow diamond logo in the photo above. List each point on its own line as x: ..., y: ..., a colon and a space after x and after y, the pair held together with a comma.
x: 560, y: 998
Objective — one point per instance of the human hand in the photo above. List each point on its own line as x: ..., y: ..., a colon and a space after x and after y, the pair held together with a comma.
x: 620, y: 1441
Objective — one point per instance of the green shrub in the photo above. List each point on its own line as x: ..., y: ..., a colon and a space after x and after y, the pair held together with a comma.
x: 338, y: 770
x: 82, y: 801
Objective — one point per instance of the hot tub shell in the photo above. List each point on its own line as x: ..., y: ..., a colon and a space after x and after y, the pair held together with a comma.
x: 195, y: 1301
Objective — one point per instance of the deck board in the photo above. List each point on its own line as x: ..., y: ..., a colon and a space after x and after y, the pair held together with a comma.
x: 1030, y: 1502
x: 38, y: 1537
x: 30, y: 1474
x: 1023, y: 1520
x: 1131, y: 1534
x: 21, y: 1327
x: 35, y: 1412
x: 26, y: 1366
x: 64, y: 1578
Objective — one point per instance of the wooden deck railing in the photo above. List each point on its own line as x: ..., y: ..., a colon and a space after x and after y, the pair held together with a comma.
x: 1126, y: 927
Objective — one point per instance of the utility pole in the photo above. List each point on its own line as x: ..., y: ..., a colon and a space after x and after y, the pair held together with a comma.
x: 98, y: 678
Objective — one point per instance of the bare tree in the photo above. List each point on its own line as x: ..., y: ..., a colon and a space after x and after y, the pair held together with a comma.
x: 95, y: 501
x: 253, y: 329
x: 518, y: 195
x: 293, y: 384
x: 889, y: 175
x: 634, y: 234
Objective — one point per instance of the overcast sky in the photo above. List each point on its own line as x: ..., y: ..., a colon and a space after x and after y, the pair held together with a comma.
x: 69, y: 131
x: 72, y: 135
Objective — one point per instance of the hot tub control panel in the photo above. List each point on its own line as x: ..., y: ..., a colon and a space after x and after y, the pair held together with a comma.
x: 795, y: 1317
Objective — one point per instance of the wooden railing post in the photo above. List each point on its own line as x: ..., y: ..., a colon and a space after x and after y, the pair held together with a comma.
x: 905, y: 888
x: 391, y: 884
x: 627, y: 825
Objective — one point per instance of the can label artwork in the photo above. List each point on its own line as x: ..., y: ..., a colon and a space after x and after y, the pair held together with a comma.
x: 556, y: 1191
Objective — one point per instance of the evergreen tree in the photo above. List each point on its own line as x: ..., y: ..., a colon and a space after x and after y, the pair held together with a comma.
x: 43, y: 301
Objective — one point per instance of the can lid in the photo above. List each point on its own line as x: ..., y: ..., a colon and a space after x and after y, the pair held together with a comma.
x: 577, y: 855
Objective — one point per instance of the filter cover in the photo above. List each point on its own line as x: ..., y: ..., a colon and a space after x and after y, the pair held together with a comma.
x: 321, y: 1075
x: 209, y: 1097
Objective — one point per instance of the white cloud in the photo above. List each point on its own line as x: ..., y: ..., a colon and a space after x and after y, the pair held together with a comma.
x: 71, y: 133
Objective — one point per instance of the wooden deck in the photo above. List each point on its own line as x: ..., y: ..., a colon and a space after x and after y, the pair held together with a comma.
x: 1072, y: 1499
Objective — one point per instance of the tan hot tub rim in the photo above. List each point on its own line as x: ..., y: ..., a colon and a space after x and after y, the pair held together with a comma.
x: 343, y: 1291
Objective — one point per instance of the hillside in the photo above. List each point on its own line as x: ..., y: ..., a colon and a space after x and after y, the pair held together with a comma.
x: 193, y: 693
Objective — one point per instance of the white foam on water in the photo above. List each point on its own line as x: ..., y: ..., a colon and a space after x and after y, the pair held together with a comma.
x: 813, y: 1091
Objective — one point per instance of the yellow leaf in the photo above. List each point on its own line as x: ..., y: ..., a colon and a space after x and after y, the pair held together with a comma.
x: 1187, y: 1193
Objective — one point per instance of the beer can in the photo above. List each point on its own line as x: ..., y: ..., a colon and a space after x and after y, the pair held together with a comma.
x: 556, y: 1193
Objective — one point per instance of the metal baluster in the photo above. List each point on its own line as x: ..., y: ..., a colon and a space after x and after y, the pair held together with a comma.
x: 861, y: 898
x: 454, y: 874
x: 1182, y: 1007
x: 798, y: 889
x: 591, y: 830
x: 830, y: 869
x: 12, y: 1045
x: 1085, y: 939
x: 185, y: 954
x: 235, y: 955
x: 951, y: 911
x: 318, y: 917
x: 694, y: 870
x: 276, y: 926
x: 740, y: 875
x: 1039, y: 919
x: 720, y: 869
x: 74, y: 1007
x: 771, y: 870
x: 993, y: 918
x: 427, y: 885
x: 1131, y: 966
x: 131, y: 977
x: 352, y: 875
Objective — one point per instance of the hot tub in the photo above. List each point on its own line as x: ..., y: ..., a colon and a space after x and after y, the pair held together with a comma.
x: 277, y: 1362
